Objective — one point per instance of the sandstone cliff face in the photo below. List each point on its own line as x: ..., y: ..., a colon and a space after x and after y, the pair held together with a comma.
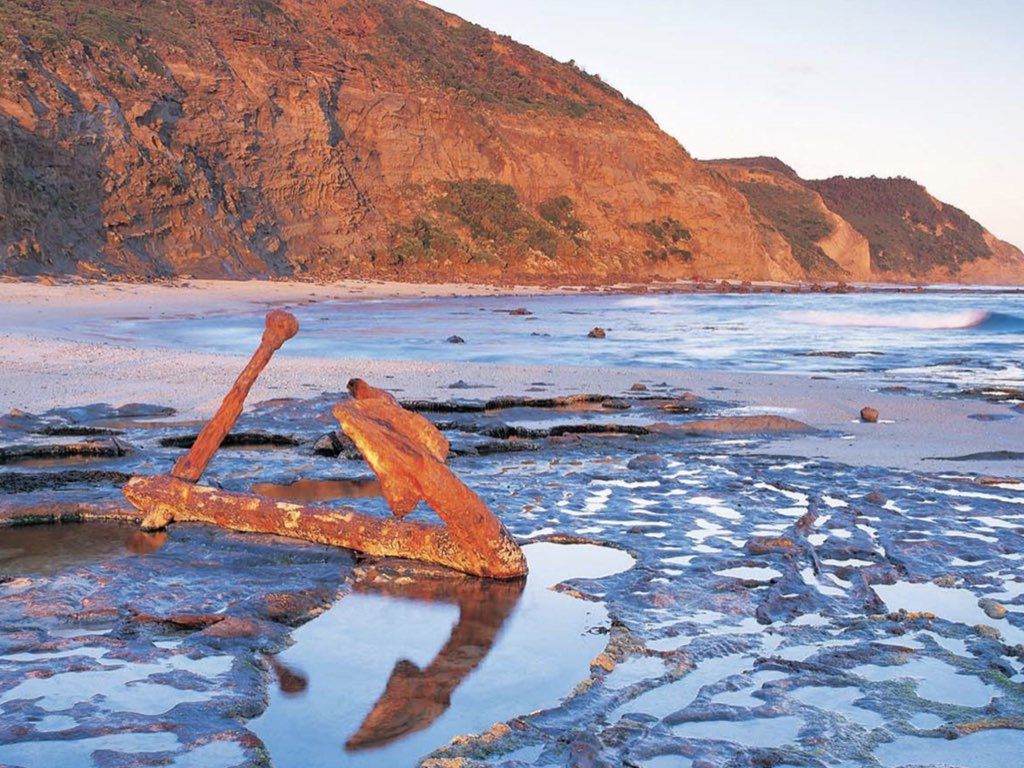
x: 254, y: 138
x: 824, y: 244
x: 335, y: 138
x: 882, y: 230
x: 914, y: 237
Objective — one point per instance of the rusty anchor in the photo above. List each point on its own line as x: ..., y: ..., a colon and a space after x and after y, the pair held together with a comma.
x: 405, y: 451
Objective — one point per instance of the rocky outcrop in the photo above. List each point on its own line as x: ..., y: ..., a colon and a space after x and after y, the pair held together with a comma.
x: 823, y: 243
x: 871, y: 229
x: 386, y: 138
x: 292, y: 138
x: 914, y: 237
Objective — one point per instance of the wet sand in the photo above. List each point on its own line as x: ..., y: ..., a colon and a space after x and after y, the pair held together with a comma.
x: 46, y: 364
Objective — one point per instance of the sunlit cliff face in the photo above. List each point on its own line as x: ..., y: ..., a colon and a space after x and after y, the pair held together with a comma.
x: 362, y: 138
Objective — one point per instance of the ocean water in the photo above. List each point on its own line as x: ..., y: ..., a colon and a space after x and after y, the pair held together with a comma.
x: 970, y: 338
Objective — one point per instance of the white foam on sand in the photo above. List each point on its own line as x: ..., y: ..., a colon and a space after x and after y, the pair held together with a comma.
x: 45, y: 364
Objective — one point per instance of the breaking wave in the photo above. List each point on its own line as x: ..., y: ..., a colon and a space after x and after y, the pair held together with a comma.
x: 937, y: 321
x: 1002, y: 323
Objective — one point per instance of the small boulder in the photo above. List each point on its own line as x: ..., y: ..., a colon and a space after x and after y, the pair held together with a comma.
x: 992, y: 608
x: 869, y: 415
x: 455, y: 340
x: 638, y: 387
x: 616, y: 405
x: 597, y: 333
x: 335, y: 444
x: 649, y: 461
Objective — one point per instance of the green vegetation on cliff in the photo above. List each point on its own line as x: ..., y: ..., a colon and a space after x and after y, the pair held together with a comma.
x: 794, y: 212
x: 472, y: 60
x: 493, y: 224
x: 909, y: 231
x: 666, y: 234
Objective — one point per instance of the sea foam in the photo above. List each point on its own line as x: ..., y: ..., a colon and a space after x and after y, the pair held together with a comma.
x: 938, y: 321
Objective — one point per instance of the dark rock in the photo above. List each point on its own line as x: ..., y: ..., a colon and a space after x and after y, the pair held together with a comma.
x: 597, y: 333
x: 868, y: 414
x: 647, y: 461
x: 616, y: 405
x: 997, y: 395
x: 108, y: 447
x: 502, y: 403
x: 840, y: 355
x: 455, y: 340
x: 981, y: 456
x: 448, y: 406
x: 989, y: 416
x: 144, y: 411
x: 599, y: 429
x: 236, y: 440
x: 335, y: 444
x: 520, y: 311
x: 504, y: 432
x: 684, y: 404
x: 76, y: 431
x: 505, y: 446
x: 25, y: 482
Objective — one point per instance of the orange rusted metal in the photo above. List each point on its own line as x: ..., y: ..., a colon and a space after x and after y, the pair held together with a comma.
x: 406, y: 452
x: 391, y: 439
x: 168, y: 498
x: 280, y: 326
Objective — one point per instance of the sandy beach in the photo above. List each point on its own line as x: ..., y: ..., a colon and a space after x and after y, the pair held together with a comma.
x: 46, y: 365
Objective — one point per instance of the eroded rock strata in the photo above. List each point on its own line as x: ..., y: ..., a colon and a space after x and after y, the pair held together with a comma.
x: 386, y: 138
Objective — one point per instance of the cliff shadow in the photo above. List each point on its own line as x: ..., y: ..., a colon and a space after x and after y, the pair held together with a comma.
x: 51, y: 200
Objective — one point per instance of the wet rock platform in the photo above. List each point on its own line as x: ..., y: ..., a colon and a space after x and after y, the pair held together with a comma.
x: 780, y: 612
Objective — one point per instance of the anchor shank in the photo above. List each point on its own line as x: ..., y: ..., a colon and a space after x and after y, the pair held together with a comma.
x: 280, y: 326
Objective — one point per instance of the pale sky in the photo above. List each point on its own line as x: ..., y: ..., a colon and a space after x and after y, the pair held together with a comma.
x: 929, y: 89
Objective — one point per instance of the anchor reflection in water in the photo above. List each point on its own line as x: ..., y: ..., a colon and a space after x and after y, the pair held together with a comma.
x: 414, y: 698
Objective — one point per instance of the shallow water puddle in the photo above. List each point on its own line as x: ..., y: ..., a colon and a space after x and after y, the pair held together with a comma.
x: 115, y: 685
x: 841, y: 700
x: 744, y: 697
x: 34, y: 550
x: 666, y: 699
x: 666, y: 761
x: 760, y: 732
x: 936, y: 681
x: 381, y: 679
x: 123, y: 749
x: 958, y: 605
x: 997, y: 748
x: 750, y: 573
x: 47, y: 754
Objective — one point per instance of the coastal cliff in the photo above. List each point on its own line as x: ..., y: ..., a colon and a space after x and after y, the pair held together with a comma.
x: 383, y: 138
x: 872, y: 229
